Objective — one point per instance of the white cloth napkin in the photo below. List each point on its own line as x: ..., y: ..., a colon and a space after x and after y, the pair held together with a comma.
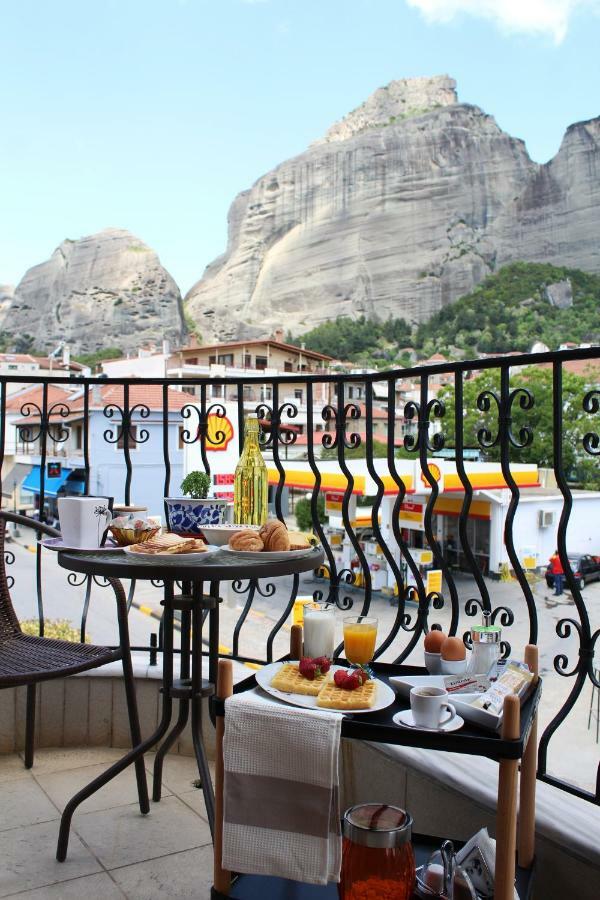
x: 281, y: 805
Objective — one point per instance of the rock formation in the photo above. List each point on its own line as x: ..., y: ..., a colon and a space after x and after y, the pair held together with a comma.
x: 107, y: 289
x: 404, y: 206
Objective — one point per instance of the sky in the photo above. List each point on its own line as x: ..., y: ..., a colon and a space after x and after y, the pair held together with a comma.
x: 152, y: 115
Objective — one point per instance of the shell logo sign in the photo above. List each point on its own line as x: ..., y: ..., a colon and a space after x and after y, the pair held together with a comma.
x: 219, y: 432
x: 435, y: 471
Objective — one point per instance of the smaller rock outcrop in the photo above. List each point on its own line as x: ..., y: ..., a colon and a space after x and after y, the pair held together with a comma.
x: 107, y: 289
x: 559, y: 294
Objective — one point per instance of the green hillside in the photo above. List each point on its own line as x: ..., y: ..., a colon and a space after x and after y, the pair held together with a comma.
x: 507, y: 311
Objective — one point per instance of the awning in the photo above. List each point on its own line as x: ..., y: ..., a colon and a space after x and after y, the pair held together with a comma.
x: 51, y: 485
x: 14, y: 478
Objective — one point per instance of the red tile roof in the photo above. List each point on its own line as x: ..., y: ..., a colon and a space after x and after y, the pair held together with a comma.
x: 150, y: 395
x: 34, y: 395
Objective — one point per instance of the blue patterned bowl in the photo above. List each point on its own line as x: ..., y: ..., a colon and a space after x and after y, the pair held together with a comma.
x: 187, y: 516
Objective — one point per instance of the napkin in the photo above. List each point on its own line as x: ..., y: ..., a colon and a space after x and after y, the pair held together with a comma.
x: 478, y: 859
x: 281, y: 791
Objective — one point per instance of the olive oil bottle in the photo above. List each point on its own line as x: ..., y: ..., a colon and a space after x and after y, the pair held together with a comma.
x: 250, y: 489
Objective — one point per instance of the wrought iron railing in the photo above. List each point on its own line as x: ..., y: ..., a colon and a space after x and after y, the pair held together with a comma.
x: 503, y: 428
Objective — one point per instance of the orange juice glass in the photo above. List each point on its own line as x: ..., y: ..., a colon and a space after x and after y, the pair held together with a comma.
x: 360, y: 634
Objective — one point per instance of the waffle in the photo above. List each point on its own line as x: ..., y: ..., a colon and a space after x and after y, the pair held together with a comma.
x: 289, y: 680
x: 333, y: 697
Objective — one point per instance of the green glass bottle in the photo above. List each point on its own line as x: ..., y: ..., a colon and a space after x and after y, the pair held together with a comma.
x: 250, y: 489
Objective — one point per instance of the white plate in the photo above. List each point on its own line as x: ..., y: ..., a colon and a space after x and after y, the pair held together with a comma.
x: 385, y: 695
x: 269, y: 554
x: 175, y: 557
x: 59, y: 545
x: 220, y: 534
x: 462, y: 702
x: 405, y: 719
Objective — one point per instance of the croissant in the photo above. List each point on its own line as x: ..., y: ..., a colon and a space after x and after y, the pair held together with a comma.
x: 246, y: 540
x: 275, y: 535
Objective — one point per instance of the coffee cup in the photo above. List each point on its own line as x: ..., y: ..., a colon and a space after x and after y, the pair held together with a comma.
x: 428, y: 704
x: 83, y: 520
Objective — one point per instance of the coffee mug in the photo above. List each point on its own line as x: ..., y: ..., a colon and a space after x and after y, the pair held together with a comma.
x: 83, y: 520
x: 428, y: 704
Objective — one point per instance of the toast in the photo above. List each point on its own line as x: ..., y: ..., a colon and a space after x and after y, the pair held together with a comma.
x: 289, y: 680
x: 169, y: 543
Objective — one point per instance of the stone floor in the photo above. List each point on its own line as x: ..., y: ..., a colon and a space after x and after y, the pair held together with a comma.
x: 114, y: 852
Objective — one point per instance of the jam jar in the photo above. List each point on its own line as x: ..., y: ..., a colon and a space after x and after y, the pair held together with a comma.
x: 378, y: 862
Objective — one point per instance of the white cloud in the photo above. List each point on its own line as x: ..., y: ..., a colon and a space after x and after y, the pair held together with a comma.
x: 545, y: 17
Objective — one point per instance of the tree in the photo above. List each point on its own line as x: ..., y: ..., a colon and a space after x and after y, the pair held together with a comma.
x: 303, y: 513
x: 538, y: 381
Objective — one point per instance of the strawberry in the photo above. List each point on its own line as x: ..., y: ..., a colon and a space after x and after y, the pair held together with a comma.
x: 339, y: 677
x: 348, y: 681
x: 351, y: 682
x: 323, y: 664
x: 308, y: 668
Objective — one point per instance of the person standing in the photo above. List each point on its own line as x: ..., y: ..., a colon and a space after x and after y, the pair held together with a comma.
x: 558, y: 573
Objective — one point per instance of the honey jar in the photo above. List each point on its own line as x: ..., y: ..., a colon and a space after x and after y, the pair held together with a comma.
x: 378, y: 862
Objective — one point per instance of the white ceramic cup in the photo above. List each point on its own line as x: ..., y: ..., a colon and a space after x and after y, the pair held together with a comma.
x: 83, y: 520
x: 428, y: 704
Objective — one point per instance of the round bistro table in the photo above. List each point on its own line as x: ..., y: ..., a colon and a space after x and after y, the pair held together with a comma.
x: 194, y: 605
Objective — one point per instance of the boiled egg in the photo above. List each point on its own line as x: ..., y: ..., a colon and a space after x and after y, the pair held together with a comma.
x: 434, y: 641
x: 453, y: 649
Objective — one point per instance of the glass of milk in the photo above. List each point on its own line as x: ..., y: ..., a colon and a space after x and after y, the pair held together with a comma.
x: 319, y: 630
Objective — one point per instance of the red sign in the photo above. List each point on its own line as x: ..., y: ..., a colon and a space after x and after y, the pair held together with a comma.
x: 224, y: 479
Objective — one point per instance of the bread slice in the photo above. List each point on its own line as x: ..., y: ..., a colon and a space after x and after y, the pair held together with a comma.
x: 289, y: 680
x: 333, y: 697
x: 298, y: 541
x: 165, y: 543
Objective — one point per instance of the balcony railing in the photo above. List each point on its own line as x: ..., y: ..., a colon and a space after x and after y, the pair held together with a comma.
x: 503, y: 414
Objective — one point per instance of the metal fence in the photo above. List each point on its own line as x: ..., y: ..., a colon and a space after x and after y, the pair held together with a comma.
x: 503, y: 412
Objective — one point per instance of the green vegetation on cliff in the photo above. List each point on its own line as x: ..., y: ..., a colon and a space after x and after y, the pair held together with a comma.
x: 508, y: 311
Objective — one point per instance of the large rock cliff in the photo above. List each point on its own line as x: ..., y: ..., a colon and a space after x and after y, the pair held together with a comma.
x: 107, y: 289
x: 403, y: 206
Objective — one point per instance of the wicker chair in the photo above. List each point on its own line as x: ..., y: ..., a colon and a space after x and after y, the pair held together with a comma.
x: 27, y: 660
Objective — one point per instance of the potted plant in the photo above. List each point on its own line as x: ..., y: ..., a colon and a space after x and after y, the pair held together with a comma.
x: 188, y: 514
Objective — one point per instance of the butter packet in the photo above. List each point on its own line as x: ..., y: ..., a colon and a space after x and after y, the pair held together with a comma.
x: 516, y: 679
x: 466, y: 684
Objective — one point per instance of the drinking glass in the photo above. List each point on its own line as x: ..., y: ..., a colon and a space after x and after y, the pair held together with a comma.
x: 360, y: 634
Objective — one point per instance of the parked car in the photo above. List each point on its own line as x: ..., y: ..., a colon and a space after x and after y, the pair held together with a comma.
x: 586, y: 568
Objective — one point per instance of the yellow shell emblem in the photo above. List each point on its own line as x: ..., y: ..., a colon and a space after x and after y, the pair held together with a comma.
x: 219, y: 432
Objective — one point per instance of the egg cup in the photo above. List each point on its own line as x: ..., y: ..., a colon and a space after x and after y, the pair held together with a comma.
x: 453, y: 666
x: 433, y: 662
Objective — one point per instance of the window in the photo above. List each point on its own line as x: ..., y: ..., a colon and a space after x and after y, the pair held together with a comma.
x: 191, y: 361
x: 132, y: 438
x: 261, y: 362
x: 217, y: 390
x: 13, y: 368
x: 266, y: 393
x: 298, y: 395
x: 287, y: 367
x: 189, y: 389
x: 247, y: 361
x: 78, y: 437
x: 212, y: 360
x: 226, y: 359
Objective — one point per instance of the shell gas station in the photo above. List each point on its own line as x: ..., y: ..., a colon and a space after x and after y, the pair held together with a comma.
x: 534, y: 529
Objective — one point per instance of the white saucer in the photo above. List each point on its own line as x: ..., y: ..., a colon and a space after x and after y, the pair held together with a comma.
x: 405, y: 719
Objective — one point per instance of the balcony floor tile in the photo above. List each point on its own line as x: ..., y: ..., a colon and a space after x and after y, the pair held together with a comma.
x: 24, y: 803
x: 121, y: 791
x: 95, y: 887
x: 178, y: 877
x: 122, y: 836
x: 28, y: 859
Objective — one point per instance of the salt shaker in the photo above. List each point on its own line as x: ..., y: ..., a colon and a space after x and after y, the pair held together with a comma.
x: 486, y: 648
